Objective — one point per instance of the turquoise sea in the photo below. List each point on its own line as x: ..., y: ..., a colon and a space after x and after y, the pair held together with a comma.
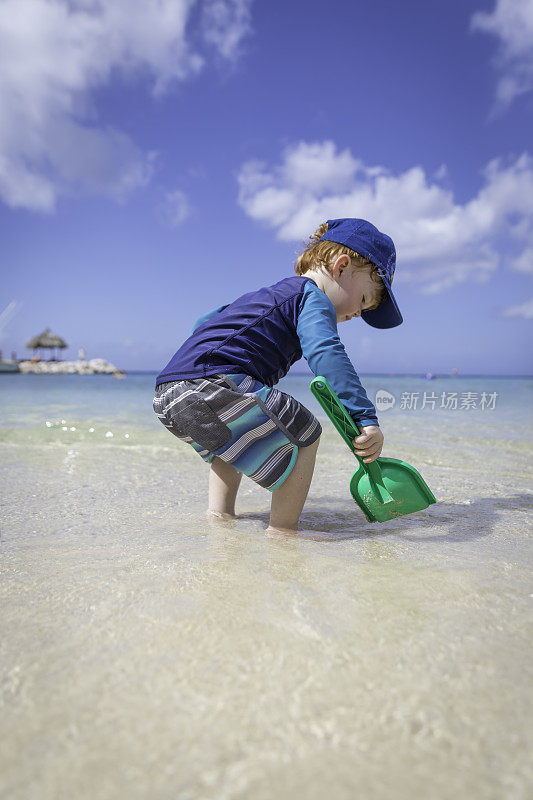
x: 26, y: 401
x: 149, y: 652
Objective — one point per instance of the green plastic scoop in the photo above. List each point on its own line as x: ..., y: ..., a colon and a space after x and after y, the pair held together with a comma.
x: 385, y: 488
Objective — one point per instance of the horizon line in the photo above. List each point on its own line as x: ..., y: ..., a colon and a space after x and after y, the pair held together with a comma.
x: 382, y: 374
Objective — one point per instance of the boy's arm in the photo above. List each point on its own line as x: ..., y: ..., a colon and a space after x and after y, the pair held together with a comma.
x: 207, y: 316
x: 326, y: 355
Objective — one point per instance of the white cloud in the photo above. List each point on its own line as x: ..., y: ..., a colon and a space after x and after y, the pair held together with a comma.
x: 440, y: 243
x: 225, y: 25
x: 525, y: 310
x: 524, y: 262
x: 175, y: 209
x: 511, y: 22
x: 441, y: 173
x: 56, y: 53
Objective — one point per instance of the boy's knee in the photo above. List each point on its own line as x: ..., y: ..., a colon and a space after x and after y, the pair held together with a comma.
x: 309, y: 451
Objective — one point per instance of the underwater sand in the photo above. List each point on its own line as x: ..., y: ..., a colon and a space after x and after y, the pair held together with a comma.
x: 149, y: 653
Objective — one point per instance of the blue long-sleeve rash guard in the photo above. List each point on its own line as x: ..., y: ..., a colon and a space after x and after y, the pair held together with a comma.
x: 324, y: 352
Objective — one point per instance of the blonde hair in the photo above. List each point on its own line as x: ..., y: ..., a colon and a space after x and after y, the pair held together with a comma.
x: 324, y: 253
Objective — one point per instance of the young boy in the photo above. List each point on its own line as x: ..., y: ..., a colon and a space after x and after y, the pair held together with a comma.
x: 216, y: 393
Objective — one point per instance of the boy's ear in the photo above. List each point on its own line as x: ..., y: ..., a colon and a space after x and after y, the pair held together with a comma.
x: 340, y: 264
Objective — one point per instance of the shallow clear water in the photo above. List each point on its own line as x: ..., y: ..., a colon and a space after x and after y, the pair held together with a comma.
x: 146, y: 652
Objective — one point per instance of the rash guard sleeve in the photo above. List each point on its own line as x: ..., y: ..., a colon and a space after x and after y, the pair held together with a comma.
x: 326, y: 354
x: 207, y: 316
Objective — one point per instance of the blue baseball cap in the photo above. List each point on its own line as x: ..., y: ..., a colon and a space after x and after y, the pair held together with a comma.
x: 365, y: 239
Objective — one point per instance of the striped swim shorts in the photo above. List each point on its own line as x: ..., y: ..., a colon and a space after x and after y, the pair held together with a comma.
x: 255, y: 428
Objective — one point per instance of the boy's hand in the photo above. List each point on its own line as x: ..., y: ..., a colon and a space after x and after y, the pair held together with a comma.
x: 369, y: 444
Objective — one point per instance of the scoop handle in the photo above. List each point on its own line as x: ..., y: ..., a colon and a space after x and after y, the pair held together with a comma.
x: 348, y: 430
x: 335, y: 411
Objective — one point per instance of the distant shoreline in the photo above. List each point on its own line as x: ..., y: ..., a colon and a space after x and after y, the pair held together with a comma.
x: 94, y: 366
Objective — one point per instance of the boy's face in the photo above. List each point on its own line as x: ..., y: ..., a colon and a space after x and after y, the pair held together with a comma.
x: 352, y: 290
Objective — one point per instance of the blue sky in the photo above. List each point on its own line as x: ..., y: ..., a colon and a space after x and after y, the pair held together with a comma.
x: 160, y: 159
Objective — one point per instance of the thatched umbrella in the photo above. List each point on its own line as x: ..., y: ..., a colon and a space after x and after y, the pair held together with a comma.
x: 46, y: 341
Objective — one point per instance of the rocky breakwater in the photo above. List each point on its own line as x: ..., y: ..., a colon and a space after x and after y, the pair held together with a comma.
x: 95, y: 366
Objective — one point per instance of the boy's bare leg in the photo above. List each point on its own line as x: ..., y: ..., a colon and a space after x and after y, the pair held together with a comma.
x: 224, y: 483
x: 288, y: 501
